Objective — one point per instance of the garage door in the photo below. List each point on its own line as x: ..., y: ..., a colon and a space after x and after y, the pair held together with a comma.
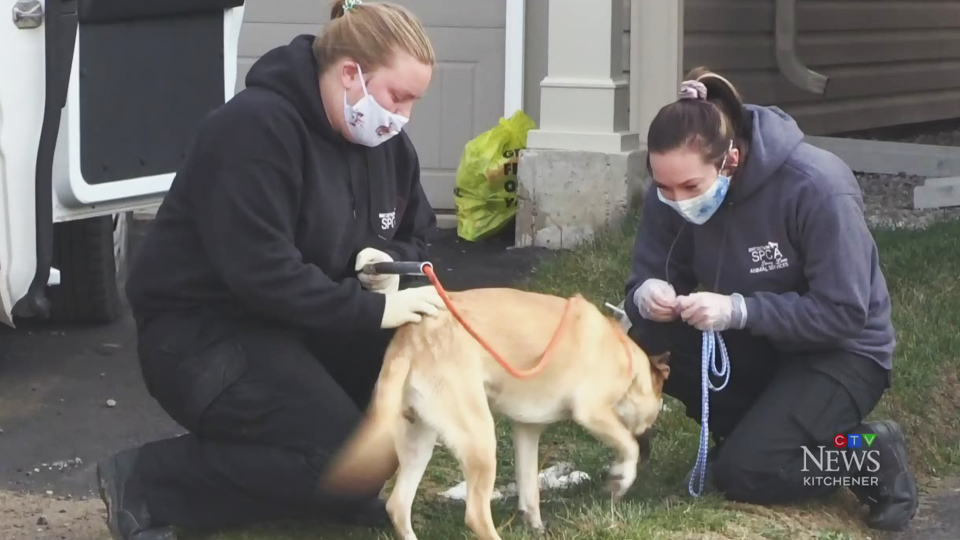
x: 465, y: 97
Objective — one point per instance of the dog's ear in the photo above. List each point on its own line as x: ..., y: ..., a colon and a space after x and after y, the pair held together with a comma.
x: 661, y: 363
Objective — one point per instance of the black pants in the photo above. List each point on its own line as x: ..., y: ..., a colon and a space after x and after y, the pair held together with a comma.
x: 773, y: 406
x: 265, y: 407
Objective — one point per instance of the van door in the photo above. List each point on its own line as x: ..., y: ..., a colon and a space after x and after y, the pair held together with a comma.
x: 124, y: 85
x: 21, y: 107
x: 142, y: 77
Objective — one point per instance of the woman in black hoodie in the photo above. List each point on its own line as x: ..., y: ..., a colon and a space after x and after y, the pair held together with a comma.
x: 256, y: 332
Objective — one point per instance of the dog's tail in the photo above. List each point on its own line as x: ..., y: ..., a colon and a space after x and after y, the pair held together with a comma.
x: 369, y: 457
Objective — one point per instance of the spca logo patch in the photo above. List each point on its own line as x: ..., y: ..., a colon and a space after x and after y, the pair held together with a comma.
x: 388, y: 220
x: 767, y: 258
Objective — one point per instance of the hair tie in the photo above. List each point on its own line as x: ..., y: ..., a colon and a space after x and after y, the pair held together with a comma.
x: 350, y: 4
x: 692, y: 90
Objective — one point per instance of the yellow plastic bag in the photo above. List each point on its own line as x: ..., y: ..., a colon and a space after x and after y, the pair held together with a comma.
x: 486, y: 192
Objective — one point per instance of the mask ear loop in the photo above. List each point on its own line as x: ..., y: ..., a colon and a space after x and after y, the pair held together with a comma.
x: 363, y: 85
x: 725, y: 156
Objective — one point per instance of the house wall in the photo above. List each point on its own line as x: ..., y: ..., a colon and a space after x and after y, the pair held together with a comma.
x: 889, y: 62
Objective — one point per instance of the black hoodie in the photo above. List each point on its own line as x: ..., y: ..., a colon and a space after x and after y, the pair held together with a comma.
x: 268, y: 211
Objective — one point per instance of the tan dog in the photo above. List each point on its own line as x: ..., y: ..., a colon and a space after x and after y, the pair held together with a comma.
x: 438, y: 380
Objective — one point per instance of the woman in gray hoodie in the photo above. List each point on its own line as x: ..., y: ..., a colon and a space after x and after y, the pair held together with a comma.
x: 749, y: 232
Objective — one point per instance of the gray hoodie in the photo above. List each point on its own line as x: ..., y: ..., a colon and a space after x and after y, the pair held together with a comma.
x: 790, y: 237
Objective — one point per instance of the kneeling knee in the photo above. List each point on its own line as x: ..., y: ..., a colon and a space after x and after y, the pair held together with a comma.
x: 741, y: 481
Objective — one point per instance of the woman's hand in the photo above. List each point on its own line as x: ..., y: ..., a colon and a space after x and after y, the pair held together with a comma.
x: 656, y: 300
x: 410, y: 305
x: 710, y: 312
x: 381, y: 283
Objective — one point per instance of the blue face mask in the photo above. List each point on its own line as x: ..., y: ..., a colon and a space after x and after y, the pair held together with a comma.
x: 699, y: 209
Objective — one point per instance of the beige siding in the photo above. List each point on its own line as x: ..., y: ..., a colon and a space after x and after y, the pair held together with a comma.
x: 889, y: 61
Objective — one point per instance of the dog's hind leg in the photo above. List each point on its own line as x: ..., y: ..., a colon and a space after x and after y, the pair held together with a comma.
x: 526, y: 441
x: 478, y: 458
x: 415, y: 441
x: 603, y: 423
x: 466, y: 426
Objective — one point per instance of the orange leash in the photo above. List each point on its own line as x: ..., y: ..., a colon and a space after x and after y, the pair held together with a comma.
x: 520, y: 374
x: 545, y: 358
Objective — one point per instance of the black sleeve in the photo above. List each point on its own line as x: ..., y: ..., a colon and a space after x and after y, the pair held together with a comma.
x: 418, y: 220
x: 248, y: 205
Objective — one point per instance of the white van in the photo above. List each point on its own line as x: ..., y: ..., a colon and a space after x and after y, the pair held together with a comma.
x: 99, y: 101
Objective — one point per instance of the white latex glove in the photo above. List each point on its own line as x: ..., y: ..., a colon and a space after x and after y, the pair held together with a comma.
x: 710, y: 312
x: 656, y: 300
x: 409, y: 306
x: 381, y: 283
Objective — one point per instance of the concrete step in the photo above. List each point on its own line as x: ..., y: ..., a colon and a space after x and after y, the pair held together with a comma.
x: 884, y: 157
x: 945, y: 181
x: 937, y: 193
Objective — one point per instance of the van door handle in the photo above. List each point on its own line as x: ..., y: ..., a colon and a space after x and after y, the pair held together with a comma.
x: 27, y: 14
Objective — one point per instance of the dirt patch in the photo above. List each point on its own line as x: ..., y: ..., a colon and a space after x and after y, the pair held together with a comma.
x: 814, y: 521
x: 33, y: 517
x: 489, y: 263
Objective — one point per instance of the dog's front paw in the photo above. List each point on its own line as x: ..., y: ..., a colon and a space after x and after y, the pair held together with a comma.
x: 619, y: 480
x: 533, y: 521
x: 616, y: 487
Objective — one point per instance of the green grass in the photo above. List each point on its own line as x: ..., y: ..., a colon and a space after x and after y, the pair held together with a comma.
x: 922, y: 270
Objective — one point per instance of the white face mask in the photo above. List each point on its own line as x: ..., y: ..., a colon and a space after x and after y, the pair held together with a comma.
x: 368, y: 122
x: 699, y: 209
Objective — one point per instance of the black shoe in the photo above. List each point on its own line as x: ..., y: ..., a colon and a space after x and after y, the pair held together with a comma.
x: 894, y: 501
x: 127, y: 515
x: 368, y: 513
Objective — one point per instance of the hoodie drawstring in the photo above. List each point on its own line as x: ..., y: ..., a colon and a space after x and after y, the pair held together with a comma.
x: 666, y: 269
x: 723, y: 242
x: 710, y: 343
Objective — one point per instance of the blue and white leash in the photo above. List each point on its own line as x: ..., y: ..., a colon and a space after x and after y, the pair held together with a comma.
x: 708, y: 358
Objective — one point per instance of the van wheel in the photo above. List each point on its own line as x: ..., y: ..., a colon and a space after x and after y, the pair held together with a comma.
x: 91, y: 255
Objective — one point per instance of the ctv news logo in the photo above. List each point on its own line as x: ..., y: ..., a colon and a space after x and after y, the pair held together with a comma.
x: 852, y: 462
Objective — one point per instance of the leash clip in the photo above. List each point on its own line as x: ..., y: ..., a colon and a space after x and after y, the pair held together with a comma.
x: 616, y: 310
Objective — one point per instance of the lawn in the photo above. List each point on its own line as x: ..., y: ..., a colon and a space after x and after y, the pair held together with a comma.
x: 922, y: 270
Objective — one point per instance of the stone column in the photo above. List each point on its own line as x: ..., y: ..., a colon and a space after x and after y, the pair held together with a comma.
x: 656, y: 59
x: 581, y: 171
